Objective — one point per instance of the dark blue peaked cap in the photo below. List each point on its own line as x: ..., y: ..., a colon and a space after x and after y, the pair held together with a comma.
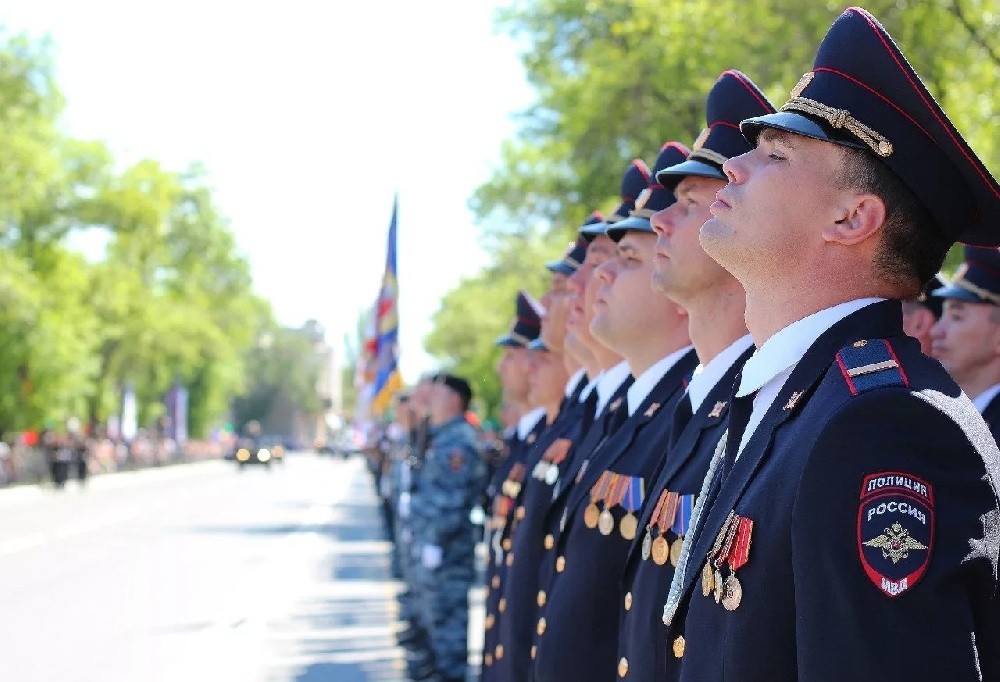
x: 652, y: 199
x: 635, y: 179
x: 863, y: 93
x: 977, y: 279
x: 732, y: 99
x: 575, y: 253
x: 527, y: 325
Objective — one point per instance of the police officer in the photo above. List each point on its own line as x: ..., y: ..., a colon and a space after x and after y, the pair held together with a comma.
x: 513, y: 370
x: 450, y: 484
x: 715, y: 304
x: 576, y: 632
x: 580, y: 425
x: 966, y: 340
x: 848, y: 525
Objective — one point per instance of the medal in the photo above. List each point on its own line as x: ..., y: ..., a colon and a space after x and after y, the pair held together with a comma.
x: 590, y: 516
x: 717, y: 590
x: 552, y: 475
x: 707, y: 580
x: 732, y: 593
x: 605, y: 522
x: 647, y: 545
x: 629, y: 525
x: 675, y: 551
x: 660, y: 550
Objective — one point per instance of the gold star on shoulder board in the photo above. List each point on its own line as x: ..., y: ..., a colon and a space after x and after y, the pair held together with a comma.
x: 652, y: 409
x: 793, y: 400
x: 717, y: 410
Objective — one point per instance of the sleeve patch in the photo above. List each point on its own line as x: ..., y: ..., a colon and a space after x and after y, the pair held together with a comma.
x: 456, y: 460
x: 895, y: 530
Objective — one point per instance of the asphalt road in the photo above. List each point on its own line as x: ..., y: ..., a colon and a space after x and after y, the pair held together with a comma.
x: 198, y: 572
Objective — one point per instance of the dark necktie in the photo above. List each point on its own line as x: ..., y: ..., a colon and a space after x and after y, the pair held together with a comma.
x: 682, y: 415
x: 739, y: 417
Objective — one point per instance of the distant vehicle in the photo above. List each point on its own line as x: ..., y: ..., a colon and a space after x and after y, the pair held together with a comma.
x: 263, y: 450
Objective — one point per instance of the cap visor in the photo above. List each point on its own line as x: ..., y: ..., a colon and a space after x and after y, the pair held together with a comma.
x: 671, y: 176
x: 630, y: 224
x: 509, y: 342
x: 791, y: 122
x: 957, y: 293
x: 589, y: 232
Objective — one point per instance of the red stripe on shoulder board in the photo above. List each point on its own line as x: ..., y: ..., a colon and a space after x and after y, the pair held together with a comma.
x: 847, y: 376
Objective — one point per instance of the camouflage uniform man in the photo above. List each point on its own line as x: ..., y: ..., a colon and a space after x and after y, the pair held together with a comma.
x: 450, y: 483
x: 414, y: 637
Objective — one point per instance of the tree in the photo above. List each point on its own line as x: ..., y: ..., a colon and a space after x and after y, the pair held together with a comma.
x: 481, y: 308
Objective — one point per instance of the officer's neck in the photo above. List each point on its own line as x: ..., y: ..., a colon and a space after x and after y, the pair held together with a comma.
x: 979, y: 379
x: 716, y: 320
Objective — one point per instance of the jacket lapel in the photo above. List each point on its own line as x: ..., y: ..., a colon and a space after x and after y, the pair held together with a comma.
x: 876, y: 321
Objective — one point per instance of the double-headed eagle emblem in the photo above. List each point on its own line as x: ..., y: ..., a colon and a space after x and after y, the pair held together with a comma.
x: 895, y: 543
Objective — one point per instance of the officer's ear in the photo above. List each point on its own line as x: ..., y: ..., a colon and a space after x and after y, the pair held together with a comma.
x: 858, y: 217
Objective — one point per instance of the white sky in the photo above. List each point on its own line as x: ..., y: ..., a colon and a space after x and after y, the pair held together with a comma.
x: 307, y: 116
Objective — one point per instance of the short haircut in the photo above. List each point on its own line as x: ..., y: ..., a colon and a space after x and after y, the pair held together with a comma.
x: 912, y: 247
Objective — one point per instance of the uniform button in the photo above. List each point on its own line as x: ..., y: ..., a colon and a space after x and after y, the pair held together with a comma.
x: 495, y: 582
x: 628, y: 601
x: 623, y: 667
x: 541, y: 598
x: 679, y: 647
x: 488, y: 659
x: 534, y: 651
x: 506, y: 544
x: 560, y: 564
x: 490, y: 619
x: 541, y: 626
x: 519, y: 514
x: 510, y: 559
x: 502, y: 605
x: 498, y: 652
x: 550, y: 541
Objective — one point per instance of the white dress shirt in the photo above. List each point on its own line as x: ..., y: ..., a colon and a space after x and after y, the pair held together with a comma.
x: 707, y: 376
x: 645, y: 382
x: 608, y: 383
x: 528, y: 421
x: 573, y: 381
x: 982, y: 400
x: 770, y: 366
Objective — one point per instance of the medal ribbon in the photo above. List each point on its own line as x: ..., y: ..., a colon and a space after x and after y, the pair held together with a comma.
x: 733, y: 523
x: 669, y: 513
x: 600, y: 488
x: 655, y: 518
x: 683, y: 520
x: 616, y: 491
x: 740, y: 552
x: 636, y: 494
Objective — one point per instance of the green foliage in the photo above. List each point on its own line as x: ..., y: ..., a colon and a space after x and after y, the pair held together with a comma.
x: 172, y: 300
x: 617, y: 78
x: 481, y: 308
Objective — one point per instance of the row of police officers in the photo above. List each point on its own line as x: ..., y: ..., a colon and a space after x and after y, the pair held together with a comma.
x: 729, y: 442
x: 751, y: 442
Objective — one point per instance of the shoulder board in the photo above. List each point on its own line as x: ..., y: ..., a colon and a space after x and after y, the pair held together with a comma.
x: 868, y: 364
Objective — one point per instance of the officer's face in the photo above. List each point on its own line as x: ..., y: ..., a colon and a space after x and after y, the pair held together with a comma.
x: 681, y: 268
x: 966, y: 340
x: 768, y: 223
x: 627, y: 312
x: 547, y: 378
x: 513, y: 370
x: 581, y: 310
x: 556, y: 311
